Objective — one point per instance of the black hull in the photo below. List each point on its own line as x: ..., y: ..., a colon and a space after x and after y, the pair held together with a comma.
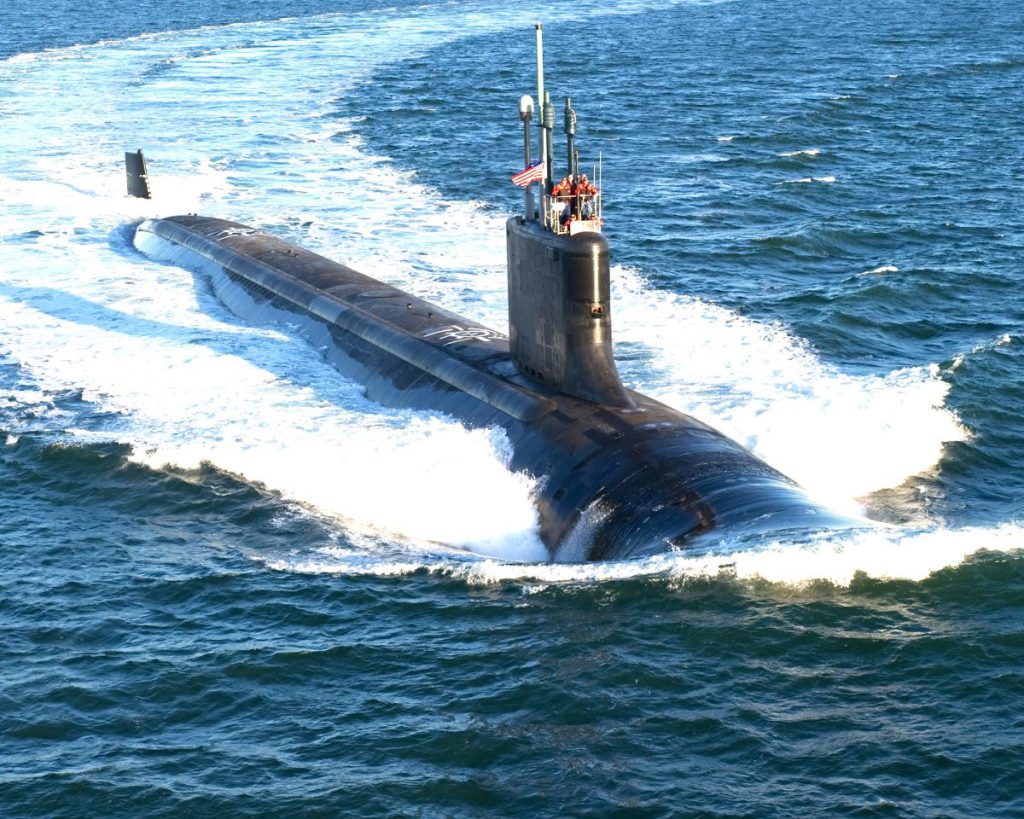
x: 617, y: 481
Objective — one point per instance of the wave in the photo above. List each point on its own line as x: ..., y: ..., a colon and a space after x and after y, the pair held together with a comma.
x: 883, y: 553
x: 841, y: 436
x: 805, y: 180
x: 1003, y: 340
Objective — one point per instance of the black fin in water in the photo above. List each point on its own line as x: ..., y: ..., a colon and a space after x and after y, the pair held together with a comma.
x: 138, y: 176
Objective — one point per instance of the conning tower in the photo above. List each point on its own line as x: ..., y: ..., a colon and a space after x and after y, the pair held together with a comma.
x: 559, y: 293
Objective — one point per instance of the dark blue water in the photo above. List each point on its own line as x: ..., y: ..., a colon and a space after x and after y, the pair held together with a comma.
x: 229, y: 584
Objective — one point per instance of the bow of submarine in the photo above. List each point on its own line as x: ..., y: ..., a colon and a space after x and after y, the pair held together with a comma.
x: 629, y: 483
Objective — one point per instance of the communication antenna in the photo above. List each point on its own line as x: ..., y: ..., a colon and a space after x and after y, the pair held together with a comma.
x: 542, y: 121
x: 526, y: 114
x: 569, y: 121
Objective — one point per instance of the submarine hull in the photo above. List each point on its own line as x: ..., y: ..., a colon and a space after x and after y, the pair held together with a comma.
x: 616, y: 480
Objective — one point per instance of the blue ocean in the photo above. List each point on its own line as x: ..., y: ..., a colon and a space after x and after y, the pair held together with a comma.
x: 232, y: 585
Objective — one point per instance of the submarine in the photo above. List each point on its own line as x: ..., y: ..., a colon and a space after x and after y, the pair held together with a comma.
x: 619, y: 474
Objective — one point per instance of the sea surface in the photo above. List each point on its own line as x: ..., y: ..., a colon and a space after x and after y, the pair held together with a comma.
x: 231, y: 585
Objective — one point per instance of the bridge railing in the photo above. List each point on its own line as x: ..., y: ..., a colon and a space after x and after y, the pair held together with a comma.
x: 568, y: 214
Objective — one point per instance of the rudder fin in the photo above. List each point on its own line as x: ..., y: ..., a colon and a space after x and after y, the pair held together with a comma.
x: 138, y: 176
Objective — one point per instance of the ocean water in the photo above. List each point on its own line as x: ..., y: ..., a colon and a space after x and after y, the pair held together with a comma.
x: 232, y: 585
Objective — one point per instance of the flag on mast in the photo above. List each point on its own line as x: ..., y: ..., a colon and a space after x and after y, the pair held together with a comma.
x: 534, y: 172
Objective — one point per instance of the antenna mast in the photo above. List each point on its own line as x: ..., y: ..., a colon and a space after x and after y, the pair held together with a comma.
x: 545, y: 117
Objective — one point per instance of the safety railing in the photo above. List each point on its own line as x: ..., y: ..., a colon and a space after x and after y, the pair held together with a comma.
x: 568, y: 215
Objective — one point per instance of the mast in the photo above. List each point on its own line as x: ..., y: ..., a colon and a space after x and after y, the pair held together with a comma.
x: 549, y: 126
x: 569, y: 121
x: 526, y: 114
x: 542, y: 124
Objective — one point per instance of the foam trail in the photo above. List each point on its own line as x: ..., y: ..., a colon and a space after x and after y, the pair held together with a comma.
x: 886, y: 553
x: 841, y: 436
x: 311, y: 437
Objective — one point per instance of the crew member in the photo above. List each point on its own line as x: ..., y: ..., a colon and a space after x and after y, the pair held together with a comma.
x: 562, y: 188
x: 587, y: 193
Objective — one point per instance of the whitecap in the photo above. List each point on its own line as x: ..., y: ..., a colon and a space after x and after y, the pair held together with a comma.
x: 808, y: 179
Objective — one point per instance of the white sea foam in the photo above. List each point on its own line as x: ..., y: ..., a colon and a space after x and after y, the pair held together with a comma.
x: 808, y: 179
x: 841, y: 436
x: 805, y: 152
x: 885, y: 553
x: 268, y: 409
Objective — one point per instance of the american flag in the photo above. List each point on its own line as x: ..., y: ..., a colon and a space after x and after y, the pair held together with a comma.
x: 531, y: 173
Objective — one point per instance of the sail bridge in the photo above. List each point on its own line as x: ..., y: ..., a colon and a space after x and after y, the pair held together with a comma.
x: 572, y: 214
